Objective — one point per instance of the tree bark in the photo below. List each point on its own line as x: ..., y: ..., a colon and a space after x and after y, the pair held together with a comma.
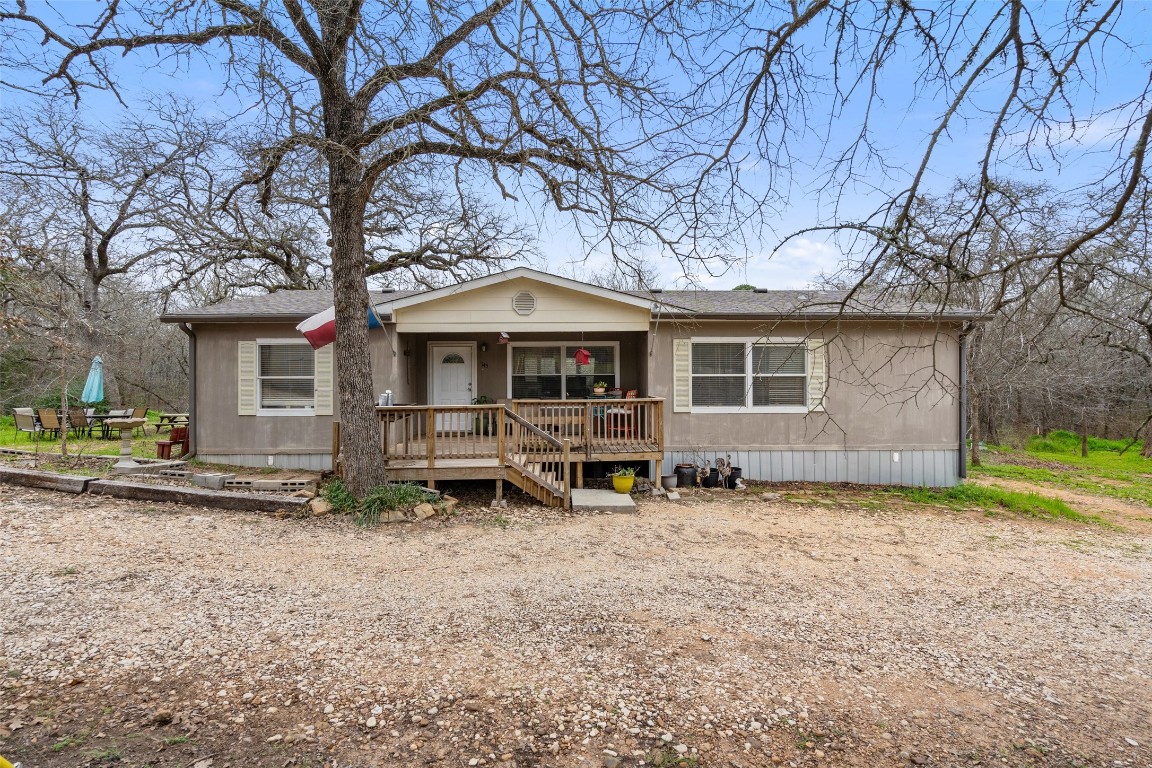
x: 363, y: 455
x: 1084, y: 436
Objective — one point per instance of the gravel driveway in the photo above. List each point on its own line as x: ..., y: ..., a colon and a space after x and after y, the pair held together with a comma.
x: 721, y: 631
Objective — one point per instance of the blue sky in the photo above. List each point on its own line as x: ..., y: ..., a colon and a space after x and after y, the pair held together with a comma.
x: 901, y: 126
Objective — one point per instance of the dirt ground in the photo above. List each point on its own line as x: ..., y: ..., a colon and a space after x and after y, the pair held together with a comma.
x: 723, y: 630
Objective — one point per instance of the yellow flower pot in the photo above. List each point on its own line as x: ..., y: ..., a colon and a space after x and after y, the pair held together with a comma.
x: 623, y: 484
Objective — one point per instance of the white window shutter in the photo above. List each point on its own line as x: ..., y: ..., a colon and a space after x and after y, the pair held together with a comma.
x: 246, y: 389
x: 681, y: 375
x: 817, y: 374
x: 324, y: 381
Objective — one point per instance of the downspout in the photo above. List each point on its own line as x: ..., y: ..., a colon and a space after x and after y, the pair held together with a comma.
x: 963, y: 420
x: 191, y: 389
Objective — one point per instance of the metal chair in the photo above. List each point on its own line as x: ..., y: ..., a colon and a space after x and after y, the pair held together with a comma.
x: 49, y: 421
x: 78, y: 422
x: 120, y: 413
x: 141, y: 413
x: 26, y: 422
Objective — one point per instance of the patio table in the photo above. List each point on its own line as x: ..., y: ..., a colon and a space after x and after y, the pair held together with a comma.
x: 170, y: 420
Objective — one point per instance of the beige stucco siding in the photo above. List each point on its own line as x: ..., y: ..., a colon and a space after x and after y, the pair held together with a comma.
x: 490, y: 309
x: 890, y: 387
x: 220, y: 431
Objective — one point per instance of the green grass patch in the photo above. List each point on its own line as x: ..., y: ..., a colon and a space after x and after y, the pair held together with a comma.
x: 338, y: 495
x: 992, y: 500
x: 110, y: 755
x: 390, y: 498
x: 143, y: 446
x: 377, y: 502
x: 1063, y: 441
x: 70, y: 740
x: 1126, y: 478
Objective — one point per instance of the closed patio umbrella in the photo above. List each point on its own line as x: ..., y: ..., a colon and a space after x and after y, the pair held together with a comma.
x: 94, y: 386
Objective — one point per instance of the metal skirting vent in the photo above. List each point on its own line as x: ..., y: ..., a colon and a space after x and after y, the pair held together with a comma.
x: 524, y: 303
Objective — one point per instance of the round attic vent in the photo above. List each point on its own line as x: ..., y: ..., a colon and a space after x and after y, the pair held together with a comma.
x: 524, y: 303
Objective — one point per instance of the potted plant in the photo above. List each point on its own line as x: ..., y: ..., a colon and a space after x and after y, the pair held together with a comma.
x: 599, y: 387
x: 623, y: 478
x: 483, y: 421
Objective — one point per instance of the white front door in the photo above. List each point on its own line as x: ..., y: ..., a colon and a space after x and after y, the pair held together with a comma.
x: 452, y: 376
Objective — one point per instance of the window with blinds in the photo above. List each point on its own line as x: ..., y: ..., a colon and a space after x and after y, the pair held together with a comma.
x: 550, y: 372
x: 778, y: 374
x: 286, y: 374
x: 737, y: 374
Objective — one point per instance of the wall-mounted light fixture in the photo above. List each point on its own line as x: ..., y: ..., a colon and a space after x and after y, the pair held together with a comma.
x: 483, y: 347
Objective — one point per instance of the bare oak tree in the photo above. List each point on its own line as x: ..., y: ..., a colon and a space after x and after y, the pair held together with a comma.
x: 92, y: 205
x: 529, y: 95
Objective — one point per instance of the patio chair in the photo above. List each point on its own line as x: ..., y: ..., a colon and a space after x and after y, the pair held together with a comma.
x: 26, y: 422
x: 78, y: 422
x: 49, y: 422
x: 622, y: 418
x: 178, y: 436
x: 140, y: 413
x: 119, y: 413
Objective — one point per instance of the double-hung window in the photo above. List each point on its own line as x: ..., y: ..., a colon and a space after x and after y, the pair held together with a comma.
x: 730, y: 375
x: 286, y: 377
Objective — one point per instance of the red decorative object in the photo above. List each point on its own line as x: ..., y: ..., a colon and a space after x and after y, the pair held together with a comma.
x: 583, y: 356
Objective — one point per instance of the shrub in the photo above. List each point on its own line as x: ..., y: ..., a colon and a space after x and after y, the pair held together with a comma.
x: 389, y: 498
x: 377, y: 502
x: 338, y: 495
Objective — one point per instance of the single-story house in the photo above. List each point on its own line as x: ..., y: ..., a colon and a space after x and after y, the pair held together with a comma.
x: 793, y: 385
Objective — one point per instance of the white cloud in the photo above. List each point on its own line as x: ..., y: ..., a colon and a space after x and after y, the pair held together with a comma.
x: 795, y: 265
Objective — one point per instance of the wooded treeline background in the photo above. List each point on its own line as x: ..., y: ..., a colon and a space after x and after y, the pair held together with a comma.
x: 105, y: 225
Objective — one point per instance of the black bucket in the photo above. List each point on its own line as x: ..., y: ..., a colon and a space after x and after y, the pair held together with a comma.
x: 712, y: 480
x: 685, y: 475
x: 737, y: 473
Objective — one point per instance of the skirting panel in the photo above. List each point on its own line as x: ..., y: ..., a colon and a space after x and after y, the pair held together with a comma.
x: 929, y: 468
x: 316, y: 462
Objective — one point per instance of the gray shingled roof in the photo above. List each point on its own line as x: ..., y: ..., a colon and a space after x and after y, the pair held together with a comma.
x: 282, y: 305
x: 298, y: 305
x: 801, y: 303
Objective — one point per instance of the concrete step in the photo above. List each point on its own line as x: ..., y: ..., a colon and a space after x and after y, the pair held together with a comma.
x: 594, y: 500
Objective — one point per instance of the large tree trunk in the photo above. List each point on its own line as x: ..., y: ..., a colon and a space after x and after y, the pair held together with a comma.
x: 363, y: 457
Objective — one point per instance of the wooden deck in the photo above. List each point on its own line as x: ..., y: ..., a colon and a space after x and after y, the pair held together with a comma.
x: 539, y: 445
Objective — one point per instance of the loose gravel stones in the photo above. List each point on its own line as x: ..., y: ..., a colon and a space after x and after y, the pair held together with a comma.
x: 697, y: 633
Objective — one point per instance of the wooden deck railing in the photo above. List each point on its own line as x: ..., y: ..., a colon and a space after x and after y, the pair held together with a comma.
x: 598, y: 427
x: 592, y: 427
x: 414, y: 432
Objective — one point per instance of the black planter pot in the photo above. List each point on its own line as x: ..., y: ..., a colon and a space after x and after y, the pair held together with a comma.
x: 685, y: 476
x: 737, y: 473
x: 712, y: 480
